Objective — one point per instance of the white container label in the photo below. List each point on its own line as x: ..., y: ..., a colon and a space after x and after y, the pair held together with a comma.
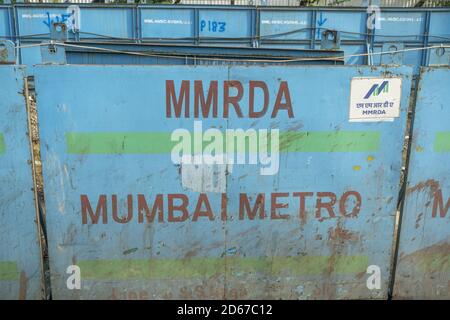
x: 375, y: 99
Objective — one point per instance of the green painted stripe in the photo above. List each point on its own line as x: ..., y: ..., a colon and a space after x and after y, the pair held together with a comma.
x: 207, y: 267
x: 332, y: 141
x: 8, y: 270
x: 442, y: 142
x: 432, y: 262
x: 435, y: 262
x: 2, y: 144
x: 160, y: 142
x: 118, y: 142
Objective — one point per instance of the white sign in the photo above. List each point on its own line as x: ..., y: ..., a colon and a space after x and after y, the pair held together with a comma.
x: 166, y: 21
x: 375, y: 99
x: 297, y: 22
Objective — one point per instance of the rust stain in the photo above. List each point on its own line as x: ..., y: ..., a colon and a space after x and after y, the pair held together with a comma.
x: 432, y: 184
x: 303, y: 218
x: 23, y: 283
x: 336, y: 238
x: 191, y: 253
x: 360, y: 275
x: 341, y: 235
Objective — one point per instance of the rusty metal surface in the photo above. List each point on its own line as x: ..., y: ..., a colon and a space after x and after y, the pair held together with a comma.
x: 423, y: 270
x: 20, y: 266
x: 308, y: 230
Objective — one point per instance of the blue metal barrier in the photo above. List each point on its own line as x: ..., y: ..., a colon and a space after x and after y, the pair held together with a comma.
x: 20, y: 264
x: 117, y: 203
x: 307, y: 209
x: 423, y: 269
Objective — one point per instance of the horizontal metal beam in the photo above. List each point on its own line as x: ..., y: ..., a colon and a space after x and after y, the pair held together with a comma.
x: 210, y: 52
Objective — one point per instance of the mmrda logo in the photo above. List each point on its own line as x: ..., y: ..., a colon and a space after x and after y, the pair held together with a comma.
x: 377, y: 89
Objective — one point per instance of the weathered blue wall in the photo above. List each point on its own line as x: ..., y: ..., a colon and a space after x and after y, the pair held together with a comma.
x: 109, y: 148
x: 20, y: 267
x: 423, y: 270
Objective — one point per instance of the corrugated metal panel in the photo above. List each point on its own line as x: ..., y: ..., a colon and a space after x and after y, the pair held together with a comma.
x: 20, y: 267
x: 423, y: 270
x: 310, y: 230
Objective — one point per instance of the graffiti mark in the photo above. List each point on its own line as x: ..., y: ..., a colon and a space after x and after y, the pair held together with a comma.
x: 212, y: 26
x: 320, y: 23
x: 59, y: 18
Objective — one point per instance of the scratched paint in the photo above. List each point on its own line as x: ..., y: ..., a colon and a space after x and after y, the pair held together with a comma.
x: 137, y: 229
x: 20, y: 271
x: 423, y: 270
